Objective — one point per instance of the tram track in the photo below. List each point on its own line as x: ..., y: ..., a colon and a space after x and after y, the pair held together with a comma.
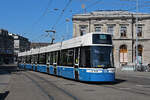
x: 47, y: 87
x: 44, y: 87
x: 40, y: 87
x: 130, y: 89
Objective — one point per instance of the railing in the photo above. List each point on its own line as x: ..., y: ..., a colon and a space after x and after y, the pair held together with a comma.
x: 143, y: 68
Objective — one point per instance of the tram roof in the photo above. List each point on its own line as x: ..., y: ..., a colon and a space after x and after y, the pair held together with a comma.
x: 85, y: 40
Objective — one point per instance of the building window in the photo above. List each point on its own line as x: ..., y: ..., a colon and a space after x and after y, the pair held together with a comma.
x: 110, y: 29
x: 139, y: 31
x: 123, y: 31
x: 97, y: 28
x: 123, y: 54
x: 83, y: 29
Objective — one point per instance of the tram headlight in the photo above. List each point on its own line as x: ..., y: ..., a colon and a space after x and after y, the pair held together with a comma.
x: 111, y: 70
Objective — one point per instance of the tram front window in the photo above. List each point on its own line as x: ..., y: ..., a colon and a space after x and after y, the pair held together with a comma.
x: 96, y: 56
x: 101, y: 57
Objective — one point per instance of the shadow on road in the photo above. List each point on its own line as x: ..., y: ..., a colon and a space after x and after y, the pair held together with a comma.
x: 11, y: 69
x: 117, y: 81
x: 7, y: 69
x: 4, y: 95
x: 2, y: 72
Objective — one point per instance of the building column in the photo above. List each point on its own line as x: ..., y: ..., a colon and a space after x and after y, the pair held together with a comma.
x: 104, y: 29
x: 130, y: 53
x: 116, y: 57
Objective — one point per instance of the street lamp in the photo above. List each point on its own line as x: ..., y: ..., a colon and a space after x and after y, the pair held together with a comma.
x: 137, y: 8
x: 67, y: 27
x: 136, y: 25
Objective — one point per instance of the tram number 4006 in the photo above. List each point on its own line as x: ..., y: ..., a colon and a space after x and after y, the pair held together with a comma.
x: 94, y: 71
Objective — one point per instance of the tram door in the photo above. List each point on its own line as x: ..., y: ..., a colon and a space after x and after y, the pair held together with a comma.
x: 36, y: 66
x: 47, y: 61
x: 36, y: 62
x: 76, y: 62
x: 32, y: 67
x: 32, y: 62
x: 55, y: 58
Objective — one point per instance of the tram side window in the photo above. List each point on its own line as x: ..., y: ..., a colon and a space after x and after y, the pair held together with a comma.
x: 67, y: 57
x: 35, y: 57
x: 64, y: 57
x: 51, y: 58
x: 70, y: 56
x: 32, y: 59
x: 85, y: 57
x: 55, y: 57
x: 19, y: 59
x: 28, y: 59
x: 42, y: 58
x: 47, y: 58
x: 23, y: 59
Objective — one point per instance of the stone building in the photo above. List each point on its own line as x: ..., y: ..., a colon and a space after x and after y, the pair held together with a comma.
x: 10, y: 45
x: 38, y: 45
x: 122, y: 25
x: 21, y: 44
x: 6, y: 47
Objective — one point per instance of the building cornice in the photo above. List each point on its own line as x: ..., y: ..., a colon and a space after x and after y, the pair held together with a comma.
x: 131, y: 39
x: 111, y: 15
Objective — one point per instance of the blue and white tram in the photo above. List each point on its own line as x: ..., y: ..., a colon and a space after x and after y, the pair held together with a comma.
x: 85, y: 58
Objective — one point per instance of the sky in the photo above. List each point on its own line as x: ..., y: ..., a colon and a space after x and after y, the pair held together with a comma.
x: 31, y: 18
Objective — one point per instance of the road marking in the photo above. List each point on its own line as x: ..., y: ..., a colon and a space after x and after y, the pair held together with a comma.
x: 146, y: 86
x: 139, y: 85
x: 125, y: 88
x: 142, y: 77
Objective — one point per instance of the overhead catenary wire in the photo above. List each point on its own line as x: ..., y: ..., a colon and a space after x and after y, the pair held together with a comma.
x: 98, y: 1
x: 88, y: 7
x: 64, y: 9
x: 45, y: 11
x: 58, y: 19
x: 43, y: 14
x: 61, y: 14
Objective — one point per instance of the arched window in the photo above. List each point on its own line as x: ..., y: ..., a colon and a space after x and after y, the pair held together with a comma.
x: 123, y: 54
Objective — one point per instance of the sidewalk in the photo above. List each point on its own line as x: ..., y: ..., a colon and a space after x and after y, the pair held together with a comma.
x: 134, y: 74
x: 8, y: 67
x: 4, y: 80
x: 5, y: 76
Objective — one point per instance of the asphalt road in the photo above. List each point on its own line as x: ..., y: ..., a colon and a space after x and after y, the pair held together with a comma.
x: 28, y: 85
